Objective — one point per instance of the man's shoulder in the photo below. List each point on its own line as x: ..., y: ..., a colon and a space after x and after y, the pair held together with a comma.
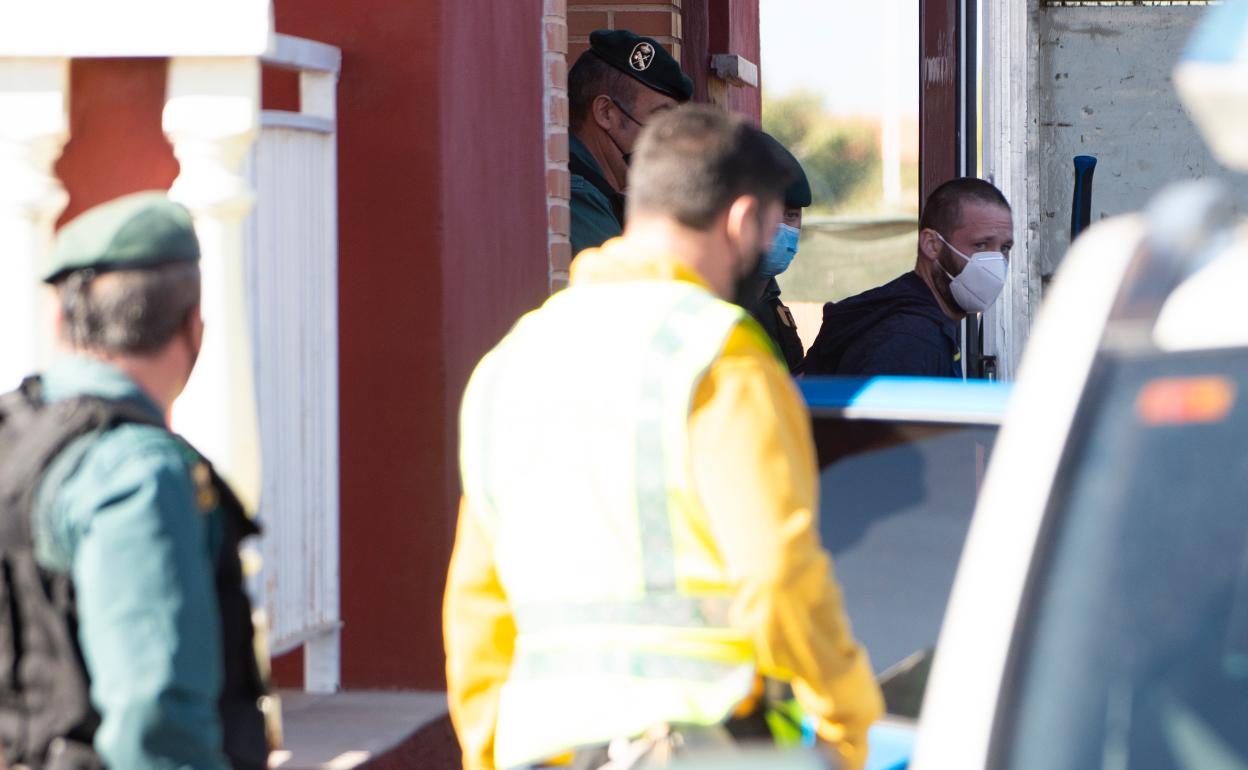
x: 749, y: 349
x: 127, y: 456
x: 910, y: 321
x: 583, y: 191
x: 906, y: 288
x: 99, y: 471
x: 140, y: 445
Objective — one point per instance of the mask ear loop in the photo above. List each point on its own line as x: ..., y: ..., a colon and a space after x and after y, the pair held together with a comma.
x: 627, y: 114
x: 952, y: 248
x: 627, y: 157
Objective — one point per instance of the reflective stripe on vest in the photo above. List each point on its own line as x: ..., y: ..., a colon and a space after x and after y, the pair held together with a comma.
x: 574, y: 452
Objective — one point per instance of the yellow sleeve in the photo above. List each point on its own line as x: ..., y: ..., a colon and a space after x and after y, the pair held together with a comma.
x: 755, y: 470
x: 479, y: 633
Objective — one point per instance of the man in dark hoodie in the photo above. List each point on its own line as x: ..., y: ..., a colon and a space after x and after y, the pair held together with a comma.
x: 909, y: 326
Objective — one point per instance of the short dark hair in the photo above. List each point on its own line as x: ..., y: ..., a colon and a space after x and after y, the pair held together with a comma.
x: 943, y: 210
x: 128, y: 311
x: 692, y: 162
x: 591, y: 77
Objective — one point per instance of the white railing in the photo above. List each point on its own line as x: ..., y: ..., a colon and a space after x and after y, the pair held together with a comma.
x: 292, y: 274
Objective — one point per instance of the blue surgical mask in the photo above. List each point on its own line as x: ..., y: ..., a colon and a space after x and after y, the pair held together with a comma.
x: 782, y: 251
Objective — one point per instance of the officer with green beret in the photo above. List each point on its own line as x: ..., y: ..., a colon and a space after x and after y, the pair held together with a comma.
x: 148, y: 656
x: 760, y: 294
x: 614, y: 88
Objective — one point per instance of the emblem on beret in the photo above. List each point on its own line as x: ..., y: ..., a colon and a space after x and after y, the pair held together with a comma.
x: 642, y: 56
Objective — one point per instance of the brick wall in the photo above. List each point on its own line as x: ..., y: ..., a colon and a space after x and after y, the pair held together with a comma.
x: 659, y: 19
x: 558, y: 192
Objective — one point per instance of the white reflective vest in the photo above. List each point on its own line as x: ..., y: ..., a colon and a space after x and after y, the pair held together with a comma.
x: 574, y: 452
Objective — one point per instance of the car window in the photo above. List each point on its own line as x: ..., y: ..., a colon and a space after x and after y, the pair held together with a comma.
x: 896, y: 503
x: 1133, y: 651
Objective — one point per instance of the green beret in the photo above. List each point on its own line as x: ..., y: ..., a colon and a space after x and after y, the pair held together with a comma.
x: 642, y: 59
x: 128, y: 233
x: 798, y: 194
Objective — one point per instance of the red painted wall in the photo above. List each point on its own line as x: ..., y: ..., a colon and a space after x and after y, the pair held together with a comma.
x: 494, y: 158
x: 734, y: 29
x: 442, y: 232
x: 721, y: 26
x: 938, y: 94
x: 116, y: 142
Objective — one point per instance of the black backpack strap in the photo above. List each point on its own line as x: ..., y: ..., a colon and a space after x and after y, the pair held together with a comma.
x: 615, y: 198
x: 40, y: 432
x: 46, y: 719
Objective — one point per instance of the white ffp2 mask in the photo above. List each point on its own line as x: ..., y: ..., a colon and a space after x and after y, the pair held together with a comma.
x: 980, y: 282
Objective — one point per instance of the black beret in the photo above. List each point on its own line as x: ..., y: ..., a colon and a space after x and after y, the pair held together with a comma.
x: 642, y: 59
x: 798, y: 194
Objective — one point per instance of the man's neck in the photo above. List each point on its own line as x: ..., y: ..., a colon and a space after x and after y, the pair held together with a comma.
x: 605, y: 154
x: 696, y: 250
x: 938, y: 284
x: 148, y: 372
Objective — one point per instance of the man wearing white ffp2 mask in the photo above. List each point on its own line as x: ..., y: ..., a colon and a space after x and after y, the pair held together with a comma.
x: 979, y: 284
x: 909, y: 326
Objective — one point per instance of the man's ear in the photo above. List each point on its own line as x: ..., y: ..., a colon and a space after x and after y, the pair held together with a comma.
x: 58, y: 315
x: 929, y: 245
x: 600, y: 111
x: 743, y: 219
x: 195, y: 326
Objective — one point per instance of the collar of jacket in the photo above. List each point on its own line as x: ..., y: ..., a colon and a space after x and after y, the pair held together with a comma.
x: 618, y: 260
x: 75, y: 375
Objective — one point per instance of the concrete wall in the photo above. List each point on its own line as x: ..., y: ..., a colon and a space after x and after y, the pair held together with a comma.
x: 1105, y: 90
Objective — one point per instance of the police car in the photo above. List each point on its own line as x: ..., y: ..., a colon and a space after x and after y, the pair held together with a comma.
x: 1099, y: 617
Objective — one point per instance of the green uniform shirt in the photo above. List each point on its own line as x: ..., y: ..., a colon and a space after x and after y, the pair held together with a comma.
x: 593, y: 218
x: 118, y: 512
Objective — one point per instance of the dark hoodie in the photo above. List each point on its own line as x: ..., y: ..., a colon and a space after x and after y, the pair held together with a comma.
x: 894, y: 329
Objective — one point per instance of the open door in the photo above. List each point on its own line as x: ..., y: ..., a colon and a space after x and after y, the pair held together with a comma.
x: 949, y: 121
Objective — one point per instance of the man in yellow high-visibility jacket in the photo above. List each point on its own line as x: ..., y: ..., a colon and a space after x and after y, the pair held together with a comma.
x: 637, y: 540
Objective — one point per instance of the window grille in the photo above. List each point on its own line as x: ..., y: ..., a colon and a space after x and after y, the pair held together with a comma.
x: 1100, y: 3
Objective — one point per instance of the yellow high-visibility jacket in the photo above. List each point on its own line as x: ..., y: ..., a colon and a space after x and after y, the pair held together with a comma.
x: 637, y: 539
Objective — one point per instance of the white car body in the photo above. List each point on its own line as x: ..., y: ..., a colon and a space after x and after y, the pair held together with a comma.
x: 963, y: 701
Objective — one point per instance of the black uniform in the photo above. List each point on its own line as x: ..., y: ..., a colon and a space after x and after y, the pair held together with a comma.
x: 761, y: 294
x: 775, y: 318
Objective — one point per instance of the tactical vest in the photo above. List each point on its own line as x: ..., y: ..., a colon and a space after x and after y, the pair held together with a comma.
x: 619, y: 594
x: 46, y: 718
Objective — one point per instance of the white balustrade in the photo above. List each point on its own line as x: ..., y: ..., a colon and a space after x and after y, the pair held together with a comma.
x: 266, y: 386
x: 211, y: 117
x: 292, y: 282
x: 33, y: 129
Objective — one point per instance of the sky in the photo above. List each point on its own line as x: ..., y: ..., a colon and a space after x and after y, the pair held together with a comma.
x: 843, y: 50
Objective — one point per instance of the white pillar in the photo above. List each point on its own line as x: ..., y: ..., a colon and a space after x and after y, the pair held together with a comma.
x: 211, y: 117
x: 33, y: 129
x: 1011, y: 163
